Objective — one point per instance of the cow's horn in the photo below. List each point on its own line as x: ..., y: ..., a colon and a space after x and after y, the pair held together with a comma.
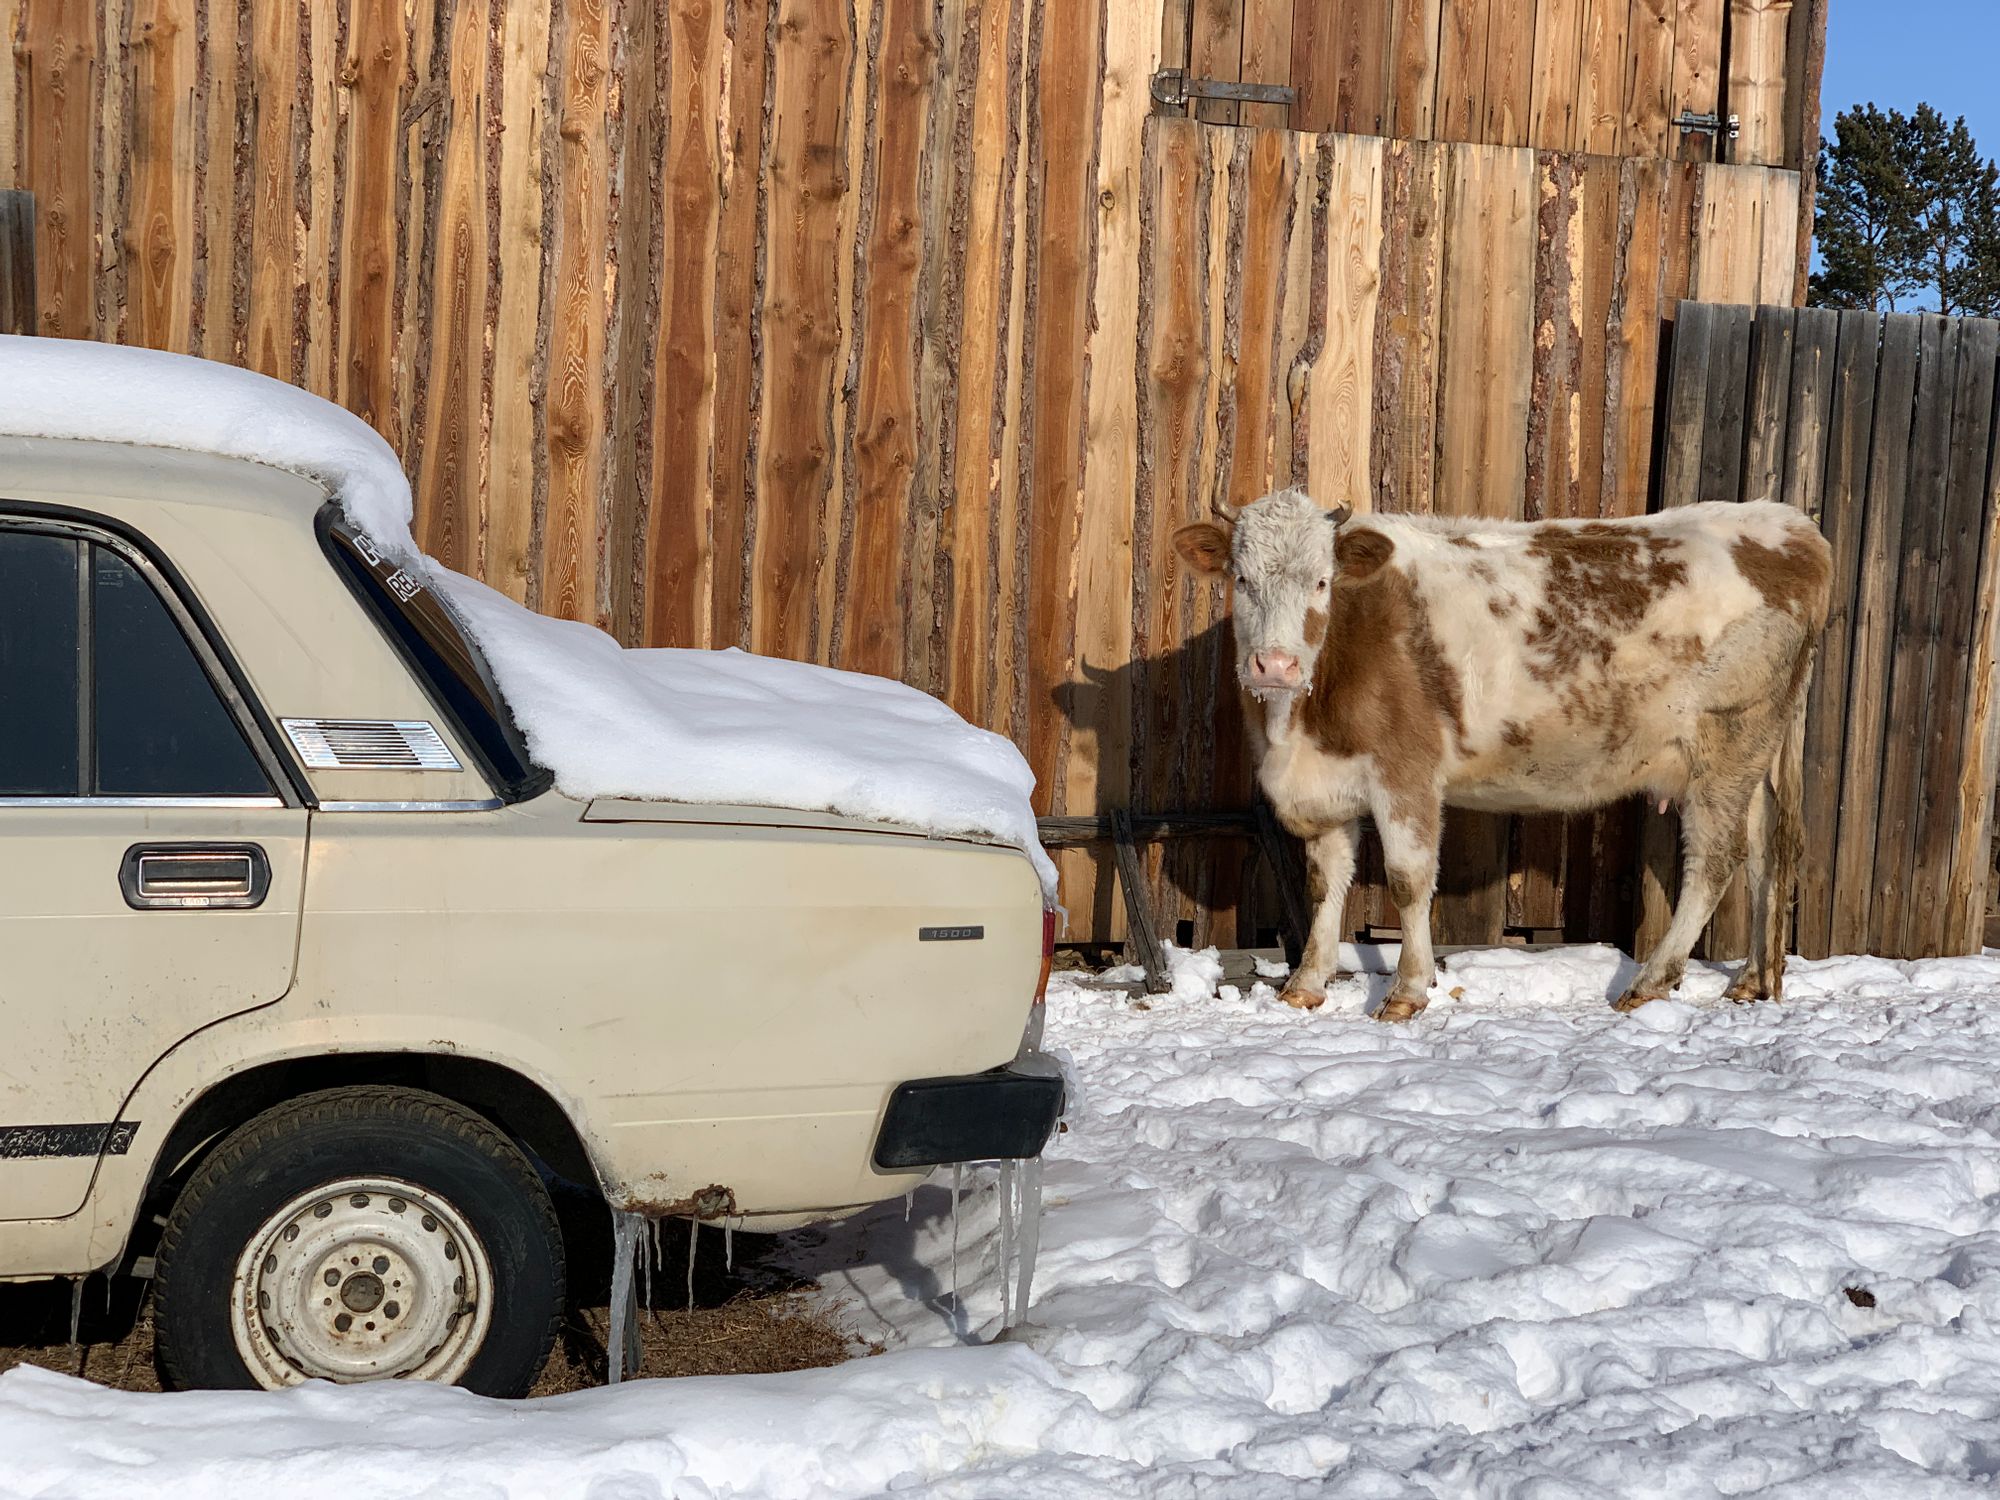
x: 1225, y: 512
x: 1339, y: 515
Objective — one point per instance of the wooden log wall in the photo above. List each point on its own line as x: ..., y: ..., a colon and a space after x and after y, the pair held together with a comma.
x: 886, y: 335
x: 1883, y: 430
x: 1609, y: 77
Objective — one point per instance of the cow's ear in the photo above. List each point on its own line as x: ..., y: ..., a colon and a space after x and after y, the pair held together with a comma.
x: 1205, y: 545
x: 1362, y: 554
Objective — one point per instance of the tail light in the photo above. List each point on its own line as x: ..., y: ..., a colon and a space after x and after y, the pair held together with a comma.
x: 1048, y: 953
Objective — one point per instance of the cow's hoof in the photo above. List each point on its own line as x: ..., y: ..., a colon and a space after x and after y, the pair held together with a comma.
x: 1631, y: 1000
x: 1300, y: 998
x: 1746, y: 992
x: 1401, y: 1007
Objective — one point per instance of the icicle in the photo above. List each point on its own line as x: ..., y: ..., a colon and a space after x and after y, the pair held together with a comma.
x: 957, y: 1186
x: 625, y: 1231
x: 1006, y: 1243
x: 646, y: 1258
x: 728, y: 1247
x: 694, y: 1234
x: 76, y: 1309
x: 909, y: 1202
x: 1031, y: 1233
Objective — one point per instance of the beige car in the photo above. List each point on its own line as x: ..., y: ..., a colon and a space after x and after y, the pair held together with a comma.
x: 302, y: 957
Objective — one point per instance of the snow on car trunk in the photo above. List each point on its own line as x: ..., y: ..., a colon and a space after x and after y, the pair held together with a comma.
x: 685, y: 726
x: 1523, y: 1245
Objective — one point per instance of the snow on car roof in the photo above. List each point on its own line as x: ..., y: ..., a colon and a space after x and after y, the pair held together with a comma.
x: 608, y: 721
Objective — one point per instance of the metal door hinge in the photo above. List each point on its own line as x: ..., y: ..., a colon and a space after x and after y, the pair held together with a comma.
x: 1708, y: 124
x: 1172, y: 86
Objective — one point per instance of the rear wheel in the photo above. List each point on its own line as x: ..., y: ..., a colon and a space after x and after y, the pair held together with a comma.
x: 360, y: 1234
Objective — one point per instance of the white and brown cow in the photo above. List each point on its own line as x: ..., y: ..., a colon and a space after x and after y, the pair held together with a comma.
x: 1397, y: 665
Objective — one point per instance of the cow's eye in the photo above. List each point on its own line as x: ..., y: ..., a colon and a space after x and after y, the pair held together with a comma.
x: 1322, y: 585
x: 1242, y: 582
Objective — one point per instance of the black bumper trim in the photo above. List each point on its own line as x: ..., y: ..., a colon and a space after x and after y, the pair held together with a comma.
x: 1005, y: 1114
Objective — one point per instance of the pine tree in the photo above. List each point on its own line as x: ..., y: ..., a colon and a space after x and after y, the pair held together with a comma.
x: 1907, y: 215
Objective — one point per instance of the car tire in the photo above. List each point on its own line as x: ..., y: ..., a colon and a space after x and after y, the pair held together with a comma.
x: 359, y: 1234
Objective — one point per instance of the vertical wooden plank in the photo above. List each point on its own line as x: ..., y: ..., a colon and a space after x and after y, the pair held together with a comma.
x: 569, y: 580
x: 1766, y: 429
x: 1650, y: 98
x: 1413, y: 69
x: 1723, y: 424
x: 1098, y: 772
x: 876, y: 557
x: 17, y: 261
x: 1874, y: 633
x: 1510, y: 70
x: 1071, y: 80
x: 804, y: 186
x: 272, y: 328
x: 371, y: 75
x: 318, y: 270
x: 12, y: 168
x: 1971, y: 862
x: 1854, y: 339
x: 160, y: 217
x: 1605, y: 59
x: 1758, y: 31
x: 990, y: 160
x: 1729, y: 239
x: 1555, y: 112
x: 1463, y: 26
x: 1697, y: 73
x: 1647, y: 227
x: 1303, y: 333
x: 1554, y: 454
x: 221, y: 186
x: 1271, y: 192
x: 1267, y: 54
x: 451, y: 398
x: 1404, y: 443
x: 1926, y: 919
x: 1912, y: 658
x: 1215, y: 49
x: 1354, y: 39
x: 1778, y: 281
x: 1486, y: 338
x: 1339, y: 401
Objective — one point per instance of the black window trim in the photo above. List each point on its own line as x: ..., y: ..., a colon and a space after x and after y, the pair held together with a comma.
x: 397, y: 630
x: 211, y: 652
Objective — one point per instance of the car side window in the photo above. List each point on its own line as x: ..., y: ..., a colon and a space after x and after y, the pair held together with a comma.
x: 100, y: 693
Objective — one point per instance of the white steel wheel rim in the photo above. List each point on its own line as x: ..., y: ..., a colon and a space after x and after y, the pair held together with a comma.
x: 366, y: 1278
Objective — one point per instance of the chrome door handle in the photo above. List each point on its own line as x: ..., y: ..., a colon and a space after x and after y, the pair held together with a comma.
x: 194, y: 877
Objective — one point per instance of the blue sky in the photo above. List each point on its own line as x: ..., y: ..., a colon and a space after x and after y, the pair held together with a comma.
x: 1900, y: 52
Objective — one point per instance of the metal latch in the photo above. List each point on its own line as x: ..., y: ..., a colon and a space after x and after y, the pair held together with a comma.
x: 1172, y: 86
x: 1708, y: 124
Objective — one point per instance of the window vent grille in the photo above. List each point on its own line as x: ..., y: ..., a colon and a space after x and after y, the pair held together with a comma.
x: 369, y: 745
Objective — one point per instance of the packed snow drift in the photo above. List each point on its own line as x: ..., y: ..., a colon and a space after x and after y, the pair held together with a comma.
x: 1520, y: 1246
x: 669, y: 725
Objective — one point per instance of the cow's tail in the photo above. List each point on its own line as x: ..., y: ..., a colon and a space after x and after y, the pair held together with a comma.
x: 1787, y: 826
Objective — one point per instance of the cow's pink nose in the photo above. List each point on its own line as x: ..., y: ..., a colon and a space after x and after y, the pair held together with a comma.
x: 1274, y: 669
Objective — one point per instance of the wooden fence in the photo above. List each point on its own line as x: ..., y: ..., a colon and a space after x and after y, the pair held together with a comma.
x: 1609, y: 77
x: 891, y: 335
x: 1882, y: 429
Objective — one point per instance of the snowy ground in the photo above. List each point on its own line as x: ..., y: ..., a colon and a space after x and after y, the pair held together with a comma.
x: 1523, y: 1246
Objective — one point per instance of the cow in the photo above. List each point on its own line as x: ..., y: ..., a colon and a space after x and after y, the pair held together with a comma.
x: 1396, y: 665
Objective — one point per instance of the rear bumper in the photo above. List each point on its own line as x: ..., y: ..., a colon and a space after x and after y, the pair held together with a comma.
x: 1006, y: 1113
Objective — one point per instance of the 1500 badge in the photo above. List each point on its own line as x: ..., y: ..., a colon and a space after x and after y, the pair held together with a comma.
x: 950, y: 934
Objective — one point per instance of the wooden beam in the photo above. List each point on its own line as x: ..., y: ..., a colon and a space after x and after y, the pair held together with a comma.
x: 1138, y: 916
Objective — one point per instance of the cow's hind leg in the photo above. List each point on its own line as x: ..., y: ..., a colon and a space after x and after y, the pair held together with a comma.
x: 1410, y: 854
x: 1713, y: 845
x: 1330, y: 869
x: 1756, y: 980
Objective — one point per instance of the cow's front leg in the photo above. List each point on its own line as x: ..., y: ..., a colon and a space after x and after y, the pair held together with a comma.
x: 1410, y: 853
x: 1330, y: 870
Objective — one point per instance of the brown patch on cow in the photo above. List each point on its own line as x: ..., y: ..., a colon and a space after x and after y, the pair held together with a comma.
x: 1315, y: 626
x: 1483, y: 571
x: 1205, y: 545
x: 1459, y: 539
x: 1382, y: 688
x: 1362, y: 554
x: 1681, y: 650
x: 1796, y: 577
x: 1515, y: 734
x: 1601, y: 580
x: 1502, y: 605
x: 1402, y: 890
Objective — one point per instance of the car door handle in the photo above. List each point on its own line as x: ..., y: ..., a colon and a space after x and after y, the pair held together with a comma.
x: 194, y: 877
